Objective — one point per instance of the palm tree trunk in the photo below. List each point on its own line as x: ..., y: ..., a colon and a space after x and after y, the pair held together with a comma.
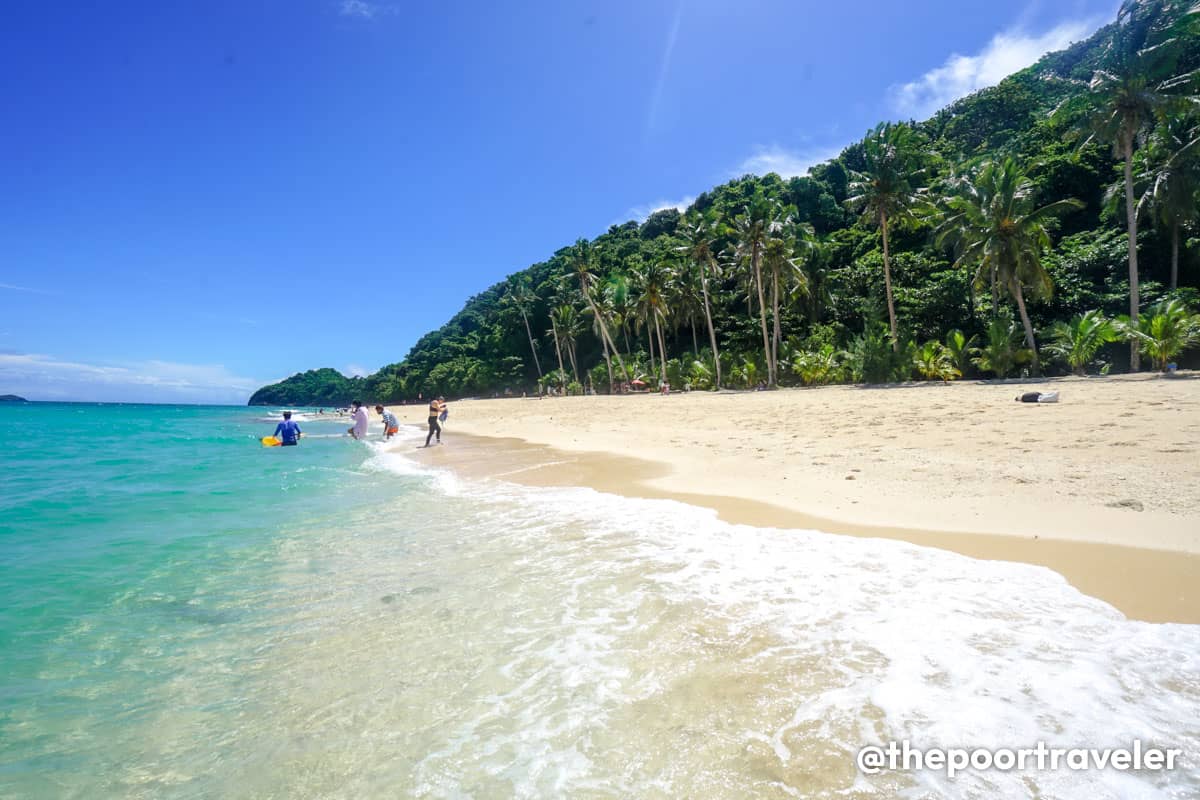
x: 887, y: 282
x: 650, y: 342
x: 762, y: 314
x: 695, y: 340
x: 662, y: 349
x: 712, y: 334
x: 1174, y: 255
x: 574, y: 364
x: 1131, y: 220
x: 1019, y: 295
x: 557, y: 344
x: 532, y: 349
x: 776, y: 332
x: 608, y: 364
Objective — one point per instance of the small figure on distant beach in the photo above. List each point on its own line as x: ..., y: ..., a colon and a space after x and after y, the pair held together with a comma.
x: 287, y: 432
x: 445, y: 409
x: 390, y: 425
x: 437, y: 407
x: 359, y: 429
x: 1037, y: 397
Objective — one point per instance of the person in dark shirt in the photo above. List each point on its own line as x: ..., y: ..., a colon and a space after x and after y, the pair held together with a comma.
x: 287, y: 432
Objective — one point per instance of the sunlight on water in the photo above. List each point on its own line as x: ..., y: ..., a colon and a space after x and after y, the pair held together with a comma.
x: 412, y: 634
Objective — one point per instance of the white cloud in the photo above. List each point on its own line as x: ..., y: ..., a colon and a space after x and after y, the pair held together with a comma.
x: 15, y: 288
x: 1006, y: 53
x: 40, y: 376
x: 784, y: 162
x: 358, y: 8
x: 355, y: 371
x: 640, y: 213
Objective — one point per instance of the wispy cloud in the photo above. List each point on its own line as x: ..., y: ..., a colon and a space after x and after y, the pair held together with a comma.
x: 43, y: 376
x: 784, y: 162
x: 640, y: 213
x: 15, y: 288
x: 355, y: 371
x: 663, y: 66
x: 361, y: 9
x: 1007, y: 52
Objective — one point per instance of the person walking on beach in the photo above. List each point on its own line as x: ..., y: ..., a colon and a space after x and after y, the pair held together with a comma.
x: 445, y: 410
x: 359, y: 429
x: 390, y: 425
x: 287, y: 432
x: 436, y: 407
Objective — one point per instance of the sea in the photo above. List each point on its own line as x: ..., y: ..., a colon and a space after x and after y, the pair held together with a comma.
x: 185, y: 613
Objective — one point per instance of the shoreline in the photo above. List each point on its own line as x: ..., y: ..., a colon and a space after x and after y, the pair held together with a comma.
x: 687, y: 448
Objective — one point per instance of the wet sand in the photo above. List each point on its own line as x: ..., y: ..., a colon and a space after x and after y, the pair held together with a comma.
x: 1103, y: 488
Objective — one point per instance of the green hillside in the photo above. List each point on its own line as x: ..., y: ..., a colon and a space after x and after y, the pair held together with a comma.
x: 317, y: 387
x: 1006, y: 224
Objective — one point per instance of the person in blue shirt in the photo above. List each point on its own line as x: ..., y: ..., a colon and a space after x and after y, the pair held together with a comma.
x: 287, y: 432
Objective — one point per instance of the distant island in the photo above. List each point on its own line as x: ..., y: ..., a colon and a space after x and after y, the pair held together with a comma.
x: 974, y: 244
x: 12, y: 398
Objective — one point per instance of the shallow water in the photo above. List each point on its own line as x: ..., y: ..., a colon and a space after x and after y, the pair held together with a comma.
x: 185, y: 613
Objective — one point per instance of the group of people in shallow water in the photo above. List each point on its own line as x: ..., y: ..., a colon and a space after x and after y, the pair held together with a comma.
x: 288, y: 431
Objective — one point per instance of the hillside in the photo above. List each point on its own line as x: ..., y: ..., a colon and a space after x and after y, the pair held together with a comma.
x: 645, y: 281
x: 317, y: 387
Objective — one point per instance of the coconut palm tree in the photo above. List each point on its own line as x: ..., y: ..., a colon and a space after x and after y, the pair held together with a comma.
x: 568, y: 327
x: 1163, y: 332
x: 786, y: 244
x: 752, y: 229
x: 888, y: 192
x: 699, y: 232
x: 1171, y: 173
x: 1127, y: 95
x: 581, y: 259
x: 1078, y: 340
x: 653, y: 282
x: 994, y: 225
x: 521, y: 297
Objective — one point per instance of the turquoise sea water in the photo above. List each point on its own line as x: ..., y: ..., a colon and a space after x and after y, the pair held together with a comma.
x: 184, y: 613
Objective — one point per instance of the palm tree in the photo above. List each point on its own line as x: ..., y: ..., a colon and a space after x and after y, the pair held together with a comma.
x: 521, y: 297
x: 1001, y: 351
x: 960, y: 348
x: 785, y: 240
x: 994, y: 225
x: 1171, y: 172
x: 887, y: 192
x: 1128, y: 94
x: 934, y: 362
x: 1078, y: 340
x: 581, y: 260
x: 568, y: 327
x: 653, y: 281
x: 699, y: 233
x: 1165, y: 331
x: 752, y: 228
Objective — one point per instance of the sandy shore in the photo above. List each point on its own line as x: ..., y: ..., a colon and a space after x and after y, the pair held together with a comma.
x: 1104, y: 487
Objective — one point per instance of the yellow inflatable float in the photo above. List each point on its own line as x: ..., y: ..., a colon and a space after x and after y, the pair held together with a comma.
x: 271, y: 441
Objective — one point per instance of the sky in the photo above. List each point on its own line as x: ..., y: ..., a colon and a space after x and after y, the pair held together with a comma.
x: 197, y: 199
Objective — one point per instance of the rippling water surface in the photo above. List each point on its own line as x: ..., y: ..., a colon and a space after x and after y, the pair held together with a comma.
x: 186, y: 614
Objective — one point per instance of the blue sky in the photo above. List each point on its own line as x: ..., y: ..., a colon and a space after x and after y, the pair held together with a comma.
x: 199, y: 198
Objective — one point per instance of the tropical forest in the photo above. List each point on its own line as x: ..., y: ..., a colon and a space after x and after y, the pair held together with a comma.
x: 1044, y: 226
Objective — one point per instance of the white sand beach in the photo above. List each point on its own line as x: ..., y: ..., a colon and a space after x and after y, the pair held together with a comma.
x: 1103, y: 486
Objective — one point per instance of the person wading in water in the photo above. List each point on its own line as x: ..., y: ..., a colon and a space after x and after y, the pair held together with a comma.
x: 436, y: 407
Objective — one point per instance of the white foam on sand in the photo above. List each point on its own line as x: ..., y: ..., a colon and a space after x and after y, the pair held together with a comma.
x: 645, y: 647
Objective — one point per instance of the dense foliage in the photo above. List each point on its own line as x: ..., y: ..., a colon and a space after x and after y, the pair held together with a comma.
x: 317, y: 387
x: 951, y: 247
